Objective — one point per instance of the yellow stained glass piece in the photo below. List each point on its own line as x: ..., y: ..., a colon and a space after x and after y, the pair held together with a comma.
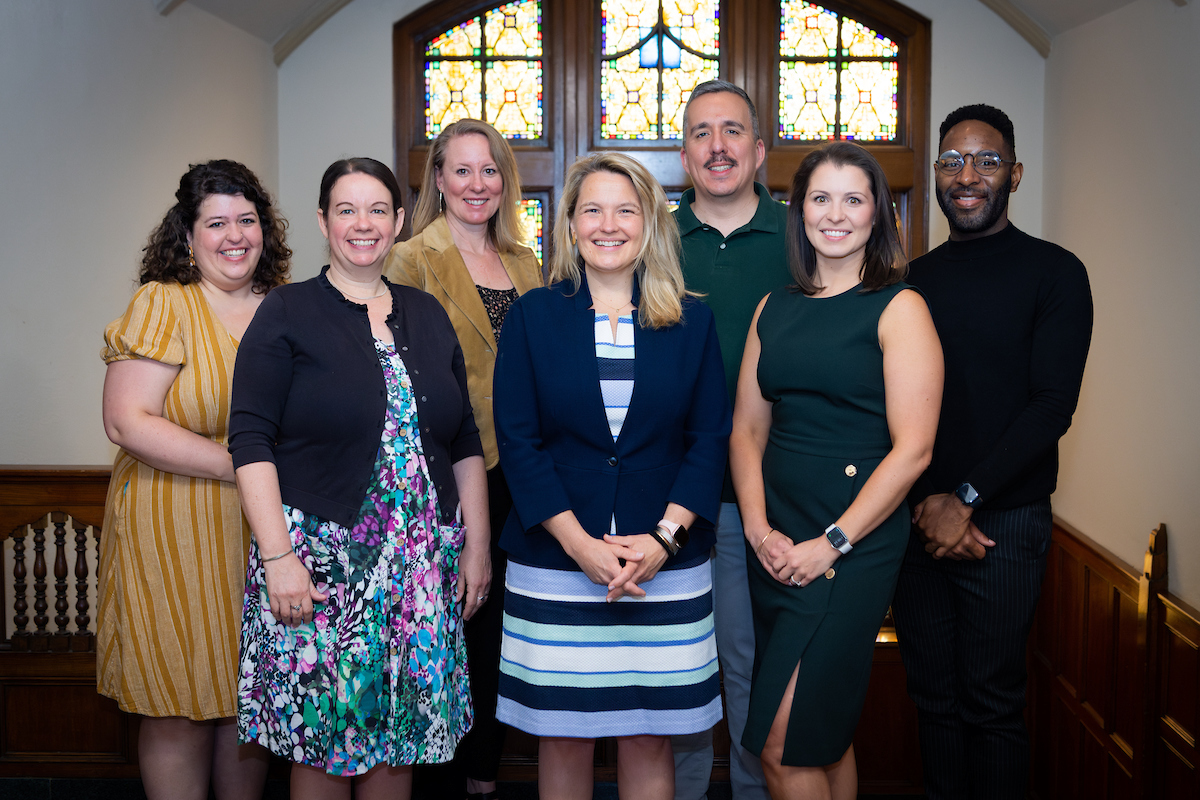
x: 859, y: 40
x: 626, y: 22
x: 513, y: 30
x: 629, y: 101
x: 463, y: 40
x: 530, y: 210
x: 695, y: 22
x: 807, y: 100
x: 677, y: 87
x: 514, y: 90
x: 869, y: 100
x: 807, y: 30
x: 453, y: 90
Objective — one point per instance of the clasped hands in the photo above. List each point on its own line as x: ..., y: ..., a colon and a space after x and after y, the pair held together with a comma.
x: 946, y: 527
x: 601, y: 561
x: 795, y: 564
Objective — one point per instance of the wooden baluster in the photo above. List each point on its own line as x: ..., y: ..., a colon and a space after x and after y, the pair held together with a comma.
x: 83, y: 636
x: 60, y: 641
x: 40, y: 620
x: 20, y: 636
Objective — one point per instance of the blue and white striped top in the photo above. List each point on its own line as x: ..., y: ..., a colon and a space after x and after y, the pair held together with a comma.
x: 615, y: 360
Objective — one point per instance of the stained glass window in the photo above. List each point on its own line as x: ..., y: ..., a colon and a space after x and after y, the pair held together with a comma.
x: 652, y: 53
x: 837, y: 77
x: 489, y: 68
x: 531, y: 217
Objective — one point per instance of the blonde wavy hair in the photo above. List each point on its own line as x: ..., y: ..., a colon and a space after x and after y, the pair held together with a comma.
x: 657, y: 270
x: 504, y: 228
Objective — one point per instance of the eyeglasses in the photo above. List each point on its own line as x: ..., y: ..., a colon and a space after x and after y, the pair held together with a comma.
x: 986, y: 162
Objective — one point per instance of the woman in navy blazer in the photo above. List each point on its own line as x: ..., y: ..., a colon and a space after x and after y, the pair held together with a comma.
x: 612, y: 420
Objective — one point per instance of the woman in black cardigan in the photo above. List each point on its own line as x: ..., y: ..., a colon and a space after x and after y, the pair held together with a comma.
x: 354, y: 446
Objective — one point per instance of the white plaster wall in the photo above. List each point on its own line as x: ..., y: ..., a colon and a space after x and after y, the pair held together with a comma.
x: 335, y: 101
x: 979, y: 58
x: 1122, y: 111
x: 104, y: 106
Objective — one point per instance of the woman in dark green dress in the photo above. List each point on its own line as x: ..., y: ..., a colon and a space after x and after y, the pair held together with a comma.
x: 837, y: 407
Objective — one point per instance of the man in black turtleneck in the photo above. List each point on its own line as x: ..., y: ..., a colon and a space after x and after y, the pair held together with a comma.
x: 1014, y: 314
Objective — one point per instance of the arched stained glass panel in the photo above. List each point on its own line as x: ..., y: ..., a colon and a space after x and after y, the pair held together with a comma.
x: 488, y: 67
x: 531, y: 209
x: 652, y: 53
x: 837, y: 78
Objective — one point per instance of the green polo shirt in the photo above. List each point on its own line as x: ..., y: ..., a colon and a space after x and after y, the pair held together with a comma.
x: 734, y: 273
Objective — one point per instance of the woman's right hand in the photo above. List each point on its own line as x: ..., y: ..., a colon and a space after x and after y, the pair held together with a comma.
x: 291, y: 591
x: 601, y: 562
x: 769, y: 547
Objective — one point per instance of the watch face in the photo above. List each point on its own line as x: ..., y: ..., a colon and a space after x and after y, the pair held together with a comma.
x: 836, y: 537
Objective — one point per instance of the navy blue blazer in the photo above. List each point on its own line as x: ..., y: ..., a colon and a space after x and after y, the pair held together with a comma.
x: 555, y: 445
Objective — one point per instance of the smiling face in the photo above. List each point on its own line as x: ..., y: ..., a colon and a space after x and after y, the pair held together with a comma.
x: 976, y: 205
x: 608, y: 222
x: 360, y: 225
x: 226, y: 240
x: 720, y: 153
x: 839, y: 212
x: 469, y: 180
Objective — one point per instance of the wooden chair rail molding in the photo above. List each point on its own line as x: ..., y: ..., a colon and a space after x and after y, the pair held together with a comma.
x: 1114, y: 691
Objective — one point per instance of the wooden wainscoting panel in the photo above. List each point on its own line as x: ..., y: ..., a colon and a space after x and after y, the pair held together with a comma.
x: 1088, y: 678
x: 1177, y: 713
x: 886, y: 745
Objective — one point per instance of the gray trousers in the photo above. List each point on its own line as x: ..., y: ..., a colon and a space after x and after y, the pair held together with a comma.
x: 735, y: 649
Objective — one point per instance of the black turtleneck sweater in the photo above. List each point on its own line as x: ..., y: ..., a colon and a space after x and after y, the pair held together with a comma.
x: 1014, y: 314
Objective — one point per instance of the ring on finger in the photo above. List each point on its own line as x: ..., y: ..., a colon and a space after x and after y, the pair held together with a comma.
x: 792, y: 580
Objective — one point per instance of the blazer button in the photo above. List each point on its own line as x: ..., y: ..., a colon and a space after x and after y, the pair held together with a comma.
x: 612, y: 461
x: 851, y: 470
x: 422, y: 398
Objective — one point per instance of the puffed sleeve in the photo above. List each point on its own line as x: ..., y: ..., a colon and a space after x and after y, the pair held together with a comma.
x: 262, y: 381
x: 148, y: 329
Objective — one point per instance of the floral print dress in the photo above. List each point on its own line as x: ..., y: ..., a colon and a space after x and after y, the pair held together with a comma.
x: 380, y: 674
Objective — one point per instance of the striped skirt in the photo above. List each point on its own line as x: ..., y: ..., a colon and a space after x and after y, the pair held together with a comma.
x: 573, y: 665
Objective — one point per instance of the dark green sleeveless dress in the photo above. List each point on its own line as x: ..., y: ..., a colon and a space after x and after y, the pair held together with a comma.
x: 822, y: 369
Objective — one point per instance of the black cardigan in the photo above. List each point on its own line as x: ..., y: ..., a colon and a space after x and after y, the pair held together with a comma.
x: 309, y: 395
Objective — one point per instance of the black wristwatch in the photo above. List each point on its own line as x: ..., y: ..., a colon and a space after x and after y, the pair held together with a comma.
x: 838, y: 539
x: 967, y: 494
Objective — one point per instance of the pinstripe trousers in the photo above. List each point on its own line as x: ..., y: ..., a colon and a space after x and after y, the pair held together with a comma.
x: 963, y: 627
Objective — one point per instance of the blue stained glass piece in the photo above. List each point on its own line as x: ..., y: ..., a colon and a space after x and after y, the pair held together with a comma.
x: 648, y: 54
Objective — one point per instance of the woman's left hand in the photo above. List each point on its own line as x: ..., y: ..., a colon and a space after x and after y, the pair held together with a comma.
x: 474, y: 576
x: 655, y: 555
x: 806, y: 561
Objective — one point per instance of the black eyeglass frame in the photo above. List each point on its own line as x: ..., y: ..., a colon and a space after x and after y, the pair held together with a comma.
x: 962, y: 158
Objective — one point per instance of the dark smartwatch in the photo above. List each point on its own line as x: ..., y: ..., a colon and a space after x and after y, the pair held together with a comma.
x: 967, y: 494
x: 838, y: 539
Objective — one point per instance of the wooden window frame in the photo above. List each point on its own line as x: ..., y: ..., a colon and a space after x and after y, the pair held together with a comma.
x: 749, y: 58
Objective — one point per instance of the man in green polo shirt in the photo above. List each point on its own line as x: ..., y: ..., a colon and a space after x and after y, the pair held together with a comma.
x: 734, y: 252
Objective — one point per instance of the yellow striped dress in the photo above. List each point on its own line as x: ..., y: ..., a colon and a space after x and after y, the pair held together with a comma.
x: 173, y: 549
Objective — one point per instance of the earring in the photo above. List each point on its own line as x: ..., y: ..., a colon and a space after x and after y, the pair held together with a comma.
x: 441, y: 202
x: 191, y: 258
x: 572, y: 238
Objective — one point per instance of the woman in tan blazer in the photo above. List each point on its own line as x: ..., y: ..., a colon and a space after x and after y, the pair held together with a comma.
x: 467, y: 251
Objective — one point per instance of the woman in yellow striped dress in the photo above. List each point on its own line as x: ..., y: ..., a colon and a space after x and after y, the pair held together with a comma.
x: 173, y: 549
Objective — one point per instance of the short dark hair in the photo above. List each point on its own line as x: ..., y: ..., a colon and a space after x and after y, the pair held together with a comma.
x: 711, y: 87
x: 884, y: 262
x: 367, y: 166
x: 167, y: 257
x: 983, y: 113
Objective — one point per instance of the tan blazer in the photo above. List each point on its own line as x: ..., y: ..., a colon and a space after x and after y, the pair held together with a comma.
x: 430, y: 261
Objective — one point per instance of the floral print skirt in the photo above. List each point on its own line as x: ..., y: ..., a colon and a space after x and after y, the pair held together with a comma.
x: 380, y: 674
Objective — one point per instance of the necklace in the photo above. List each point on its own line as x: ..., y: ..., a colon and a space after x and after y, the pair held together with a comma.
x: 610, y: 306
x: 354, y: 296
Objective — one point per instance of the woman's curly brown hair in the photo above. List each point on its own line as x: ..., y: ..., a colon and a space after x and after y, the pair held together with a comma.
x: 166, y: 256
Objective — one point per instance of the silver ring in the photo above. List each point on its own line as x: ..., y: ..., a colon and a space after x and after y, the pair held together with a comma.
x: 482, y: 597
x: 297, y: 608
x: 792, y: 580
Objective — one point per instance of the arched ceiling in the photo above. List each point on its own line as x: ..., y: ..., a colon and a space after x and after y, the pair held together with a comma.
x: 284, y: 24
